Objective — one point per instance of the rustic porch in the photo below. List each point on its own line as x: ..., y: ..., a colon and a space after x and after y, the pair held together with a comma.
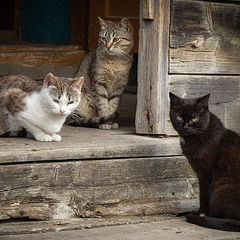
x: 97, y: 173
x: 94, y: 173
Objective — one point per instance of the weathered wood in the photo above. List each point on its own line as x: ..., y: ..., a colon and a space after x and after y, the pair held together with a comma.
x: 153, y: 70
x: 24, y: 55
x: 37, y: 72
x: 206, y: 40
x: 85, y: 143
x: 148, y: 9
x: 141, y: 186
x: 224, y: 99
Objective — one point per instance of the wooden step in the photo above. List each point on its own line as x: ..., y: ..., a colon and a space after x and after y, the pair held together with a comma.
x: 93, y: 172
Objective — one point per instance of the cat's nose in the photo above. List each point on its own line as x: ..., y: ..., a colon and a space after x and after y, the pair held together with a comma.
x: 109, y: 45
x: 62, y: 111
x: 185, y: 126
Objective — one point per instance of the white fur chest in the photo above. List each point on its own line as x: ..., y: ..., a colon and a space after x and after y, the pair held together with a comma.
x: 39, y: 115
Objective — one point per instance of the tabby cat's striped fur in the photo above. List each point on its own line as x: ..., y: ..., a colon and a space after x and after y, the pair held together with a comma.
x: 106, y: 72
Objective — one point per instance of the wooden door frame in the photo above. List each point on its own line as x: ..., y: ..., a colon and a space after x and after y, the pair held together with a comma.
x: 152, y: 93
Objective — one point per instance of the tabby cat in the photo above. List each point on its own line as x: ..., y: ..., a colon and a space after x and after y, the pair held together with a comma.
x: 214, y: 154
x: 106, y: 72
x: 25, y: 108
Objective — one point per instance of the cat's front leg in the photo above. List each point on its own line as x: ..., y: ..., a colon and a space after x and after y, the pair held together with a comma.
x: 204, y: 183
x: 36, y: 132
x: 101, y: 99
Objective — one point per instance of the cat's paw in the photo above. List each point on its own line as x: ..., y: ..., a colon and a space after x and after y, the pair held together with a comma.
x: 114, y: 125
x: 43, y: 138
x: 56, y: 138
x: 108, y: 126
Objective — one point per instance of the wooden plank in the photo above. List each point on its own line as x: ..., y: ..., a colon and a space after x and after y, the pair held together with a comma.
x: 224, y: 99
x: 148, y: 9
x: 96, y: 188
x: 79, y: 22
x: 153, y: 70
x: 85, y: 143
x: 206, y: 40
x: 23, y: 55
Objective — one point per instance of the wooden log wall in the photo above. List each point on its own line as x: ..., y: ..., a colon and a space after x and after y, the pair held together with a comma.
x: 203, y: 57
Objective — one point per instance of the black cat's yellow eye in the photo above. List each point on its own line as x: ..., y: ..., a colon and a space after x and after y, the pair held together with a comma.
x: 179, y: 118
x: 70, y: 102
x: 194, y: 120
x: 115, y: 39
x: 55, y: 100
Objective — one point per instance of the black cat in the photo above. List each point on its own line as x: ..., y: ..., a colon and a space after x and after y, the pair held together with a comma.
x: 214, y: 154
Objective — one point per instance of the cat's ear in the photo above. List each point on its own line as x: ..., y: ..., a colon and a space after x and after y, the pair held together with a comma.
x: 78, y: 83
x: 103, y: 23
x: 202, y: 102
x: 49, y: 80
x: 126, y: 25
x: 174, y: 100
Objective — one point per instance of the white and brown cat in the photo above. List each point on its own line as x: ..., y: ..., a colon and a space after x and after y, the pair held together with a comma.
x: 40, y: 112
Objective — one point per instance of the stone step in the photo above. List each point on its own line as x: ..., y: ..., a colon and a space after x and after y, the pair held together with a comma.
x: 130, y: 228
x: 92, y: 173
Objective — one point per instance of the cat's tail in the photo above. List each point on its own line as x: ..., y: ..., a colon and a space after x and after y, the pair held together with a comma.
x: 76, y: 120
x: 214, y: 223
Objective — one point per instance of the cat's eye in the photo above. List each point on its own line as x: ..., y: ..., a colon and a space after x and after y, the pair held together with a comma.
x: 70, y: 102
x: 103, y: 39
x: 179, y: 118
x: 194, y: 120
x: 115, y: 39
x: 55, y: 100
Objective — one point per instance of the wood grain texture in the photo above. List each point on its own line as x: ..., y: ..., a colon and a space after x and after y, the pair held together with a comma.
x: 153, y: 70
x: 27, y: 55
x: 148, y: 9
x: 206, y: 40
x: 62, y: 190
x: 85, y: 143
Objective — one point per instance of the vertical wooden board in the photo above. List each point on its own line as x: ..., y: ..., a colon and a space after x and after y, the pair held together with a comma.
x: 79, y: 14
x: 148, y: 9
x: 206, y: 39
x: 153, y: 70
x: 224, y: 99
